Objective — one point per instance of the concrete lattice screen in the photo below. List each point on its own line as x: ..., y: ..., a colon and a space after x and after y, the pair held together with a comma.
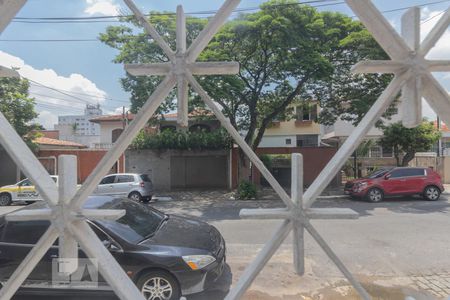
x: 66, y: 213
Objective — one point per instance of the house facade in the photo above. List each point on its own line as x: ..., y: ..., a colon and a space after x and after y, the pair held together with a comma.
x: 110, y: 128
x: 301, y: 131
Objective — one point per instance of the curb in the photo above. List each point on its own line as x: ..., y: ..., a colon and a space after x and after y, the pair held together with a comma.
x: 333, y: 197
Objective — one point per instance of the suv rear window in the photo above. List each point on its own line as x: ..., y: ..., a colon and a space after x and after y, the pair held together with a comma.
x: 28, y: 232
x: 145, y: 178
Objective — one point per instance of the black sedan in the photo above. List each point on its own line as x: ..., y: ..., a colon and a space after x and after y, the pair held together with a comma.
x: 165, y: 255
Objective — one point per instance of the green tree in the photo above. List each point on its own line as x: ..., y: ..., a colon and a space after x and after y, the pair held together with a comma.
x: 287, y: 54
x: 15, y: 104
x: 139, y: 48
x: 349, y: 96
x: 18, y: 107
x: 406, y: 142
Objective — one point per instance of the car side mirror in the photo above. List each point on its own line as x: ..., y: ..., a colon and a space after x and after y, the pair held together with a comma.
x: 110, y: 245
x: 387, y: 176
x: 107, y: 244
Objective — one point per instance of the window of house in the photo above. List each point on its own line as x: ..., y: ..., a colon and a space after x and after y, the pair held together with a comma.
x: 115, y: 134
x: 387, y: 152
x: 375, y: 152
x: 306, y: 112
x: 288, y: 141
x: 307, y: 140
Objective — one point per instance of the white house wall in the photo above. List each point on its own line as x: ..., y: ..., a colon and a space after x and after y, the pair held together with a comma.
x: 343, y: 128
x: 278, y: 141
x: 106, y: 130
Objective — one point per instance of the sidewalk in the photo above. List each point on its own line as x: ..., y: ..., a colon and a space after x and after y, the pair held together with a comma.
x: 447, y: 190
x: 278, y: 281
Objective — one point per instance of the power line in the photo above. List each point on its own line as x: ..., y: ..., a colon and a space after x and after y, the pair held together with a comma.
x: 51, y: 40
x: 80, y: 93
x: 54, y: 106
x: 437, y: 15
x: 238, y: 10
x: 210, y: 12
x: 77, y: 99
x: 56, y: 90
x: 60, y: 99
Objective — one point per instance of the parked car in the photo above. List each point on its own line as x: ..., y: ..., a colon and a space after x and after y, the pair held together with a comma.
x: 24, y: 190
x: 136, y: 187
x: 166, y: 256
x: 397, y: 181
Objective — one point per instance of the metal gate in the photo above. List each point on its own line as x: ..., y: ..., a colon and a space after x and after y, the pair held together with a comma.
x: 68, y: 218
x: 199, y: 172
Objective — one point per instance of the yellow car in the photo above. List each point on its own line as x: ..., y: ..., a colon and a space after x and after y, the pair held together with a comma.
x: 22, y: 191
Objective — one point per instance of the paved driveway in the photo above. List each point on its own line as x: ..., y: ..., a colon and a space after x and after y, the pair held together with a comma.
x: 393, y: 248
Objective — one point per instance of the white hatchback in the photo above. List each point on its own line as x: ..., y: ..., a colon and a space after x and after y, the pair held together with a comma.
x: 137, y: 187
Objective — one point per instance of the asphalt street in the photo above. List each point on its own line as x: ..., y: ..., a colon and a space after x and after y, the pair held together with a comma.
x: 398, y: 237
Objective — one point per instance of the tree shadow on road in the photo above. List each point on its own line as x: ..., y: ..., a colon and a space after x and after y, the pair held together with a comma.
x: 408, y: 205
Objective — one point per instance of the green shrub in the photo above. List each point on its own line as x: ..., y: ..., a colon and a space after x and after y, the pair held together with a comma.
x: 267, y: 161
x: 181, y: 140
x: 246, y: 190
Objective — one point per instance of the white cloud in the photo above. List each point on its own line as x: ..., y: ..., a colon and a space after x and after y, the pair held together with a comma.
x: 102, y: 7
x: 440, y: 51
x: 69, y: 95
x: 119, y: 110
x: 47, y: 119
x: 442, y: 48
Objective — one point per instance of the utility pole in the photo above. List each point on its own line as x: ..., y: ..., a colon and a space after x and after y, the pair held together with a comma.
x: 123, y: 118
x: 439, y: 146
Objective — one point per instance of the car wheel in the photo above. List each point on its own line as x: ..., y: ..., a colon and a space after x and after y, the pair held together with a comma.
x: 5, y: 199
x: 159, y: 285
x: 431, y: 193
x: 375, y: 195
x: 135, y: 196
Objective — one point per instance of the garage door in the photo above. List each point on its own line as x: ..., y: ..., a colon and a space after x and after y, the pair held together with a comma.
x: 198, y: 172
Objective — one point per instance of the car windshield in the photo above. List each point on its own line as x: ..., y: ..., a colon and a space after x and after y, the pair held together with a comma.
x: 377, y: 173
x: 139, y: 223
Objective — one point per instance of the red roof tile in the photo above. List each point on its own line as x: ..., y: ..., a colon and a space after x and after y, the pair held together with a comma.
x: 54, y: 142
x: 444, y: 127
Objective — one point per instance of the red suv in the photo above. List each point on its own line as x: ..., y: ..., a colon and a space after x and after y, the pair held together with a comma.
x: 397, y: 181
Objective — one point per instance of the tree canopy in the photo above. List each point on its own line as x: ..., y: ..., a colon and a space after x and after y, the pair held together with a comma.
x: 406, y: 142
x: 288, y: 53
x: 17, y: 107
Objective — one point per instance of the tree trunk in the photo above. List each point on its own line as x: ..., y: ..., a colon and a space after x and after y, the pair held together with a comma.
x: 397, y: 156
x: 244, y: 170
x: 407, y: 158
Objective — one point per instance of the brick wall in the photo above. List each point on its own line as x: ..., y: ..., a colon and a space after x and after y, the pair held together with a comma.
x: 87, y: 161
x: 314, y: 160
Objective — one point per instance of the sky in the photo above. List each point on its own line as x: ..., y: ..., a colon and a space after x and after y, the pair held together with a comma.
x: 66, y: 75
